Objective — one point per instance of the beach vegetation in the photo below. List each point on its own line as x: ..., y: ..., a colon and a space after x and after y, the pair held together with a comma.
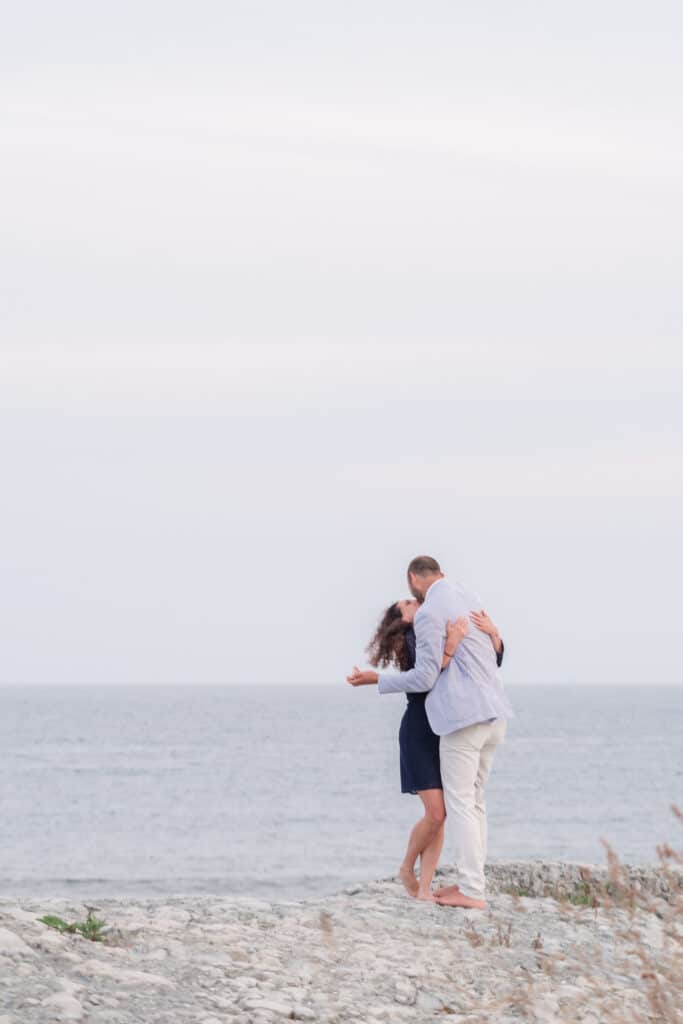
x: 92, y: 928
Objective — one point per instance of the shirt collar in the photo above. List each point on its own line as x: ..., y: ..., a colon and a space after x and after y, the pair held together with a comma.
x: 442, y: 579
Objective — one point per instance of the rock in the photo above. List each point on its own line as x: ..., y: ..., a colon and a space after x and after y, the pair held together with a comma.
x: 73, y: 958
x: 303, y: 1013
x: 156, y: 954
x: 64, y: 1006
x: 21, y: 915
x: 122, y: 975
x: 51, y: 942
x: 378, y: 958
x: 252, y: 1003
x: 12, y: 945
x: 426, y: 1001
x: 223, y: 1004
x: 405, y: 992
x: 245, y: 981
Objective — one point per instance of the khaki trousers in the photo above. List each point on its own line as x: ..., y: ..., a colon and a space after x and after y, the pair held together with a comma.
x: 466, y: 759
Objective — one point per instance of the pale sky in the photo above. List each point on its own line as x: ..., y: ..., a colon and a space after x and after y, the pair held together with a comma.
x: 291, y: 292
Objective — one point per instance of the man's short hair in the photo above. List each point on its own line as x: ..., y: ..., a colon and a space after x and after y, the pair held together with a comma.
x: 423, y: 565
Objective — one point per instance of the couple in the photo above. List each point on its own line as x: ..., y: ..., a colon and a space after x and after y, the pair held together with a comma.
x: 448, y: 652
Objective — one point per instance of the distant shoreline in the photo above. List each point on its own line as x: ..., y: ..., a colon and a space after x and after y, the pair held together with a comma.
x: 536, y: 873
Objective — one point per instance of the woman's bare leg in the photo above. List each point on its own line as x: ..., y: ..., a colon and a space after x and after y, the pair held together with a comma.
x: 428, y: 862
x: 422, y: 836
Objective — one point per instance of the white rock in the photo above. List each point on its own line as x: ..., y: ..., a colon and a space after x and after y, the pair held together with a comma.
x: 405, y: 992
x: 51, y: 941
x: 223, y: 1004
x: 124, y: 975
x: 73, y: 958
x: 266, y: 1004
x: 64, y: 1006
x: 296, y: 995
x: 304, y: 1013
x: 12, y: 945
x: 244, y: 981
x: 21, y: 915
x: 425, y: 1001
x: 156, y: 954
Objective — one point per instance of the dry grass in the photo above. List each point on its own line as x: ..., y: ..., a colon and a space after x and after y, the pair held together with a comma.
x: 633, y: 977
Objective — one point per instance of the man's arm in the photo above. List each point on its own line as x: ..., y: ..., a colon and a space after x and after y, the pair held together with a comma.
x: 430, y: 635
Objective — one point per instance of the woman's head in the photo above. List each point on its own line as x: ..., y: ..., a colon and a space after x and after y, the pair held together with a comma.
x: 388, y: 646
x: 407, y: 608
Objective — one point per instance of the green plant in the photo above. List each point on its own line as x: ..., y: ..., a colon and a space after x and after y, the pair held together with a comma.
x: 91, y: 928
x: 518, y: 891
x: 581, y: 896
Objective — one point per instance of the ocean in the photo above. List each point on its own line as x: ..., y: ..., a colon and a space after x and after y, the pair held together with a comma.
x: 284, y: 792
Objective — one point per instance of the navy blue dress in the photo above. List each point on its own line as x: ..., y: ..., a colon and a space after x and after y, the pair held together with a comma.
x: 419, y: 746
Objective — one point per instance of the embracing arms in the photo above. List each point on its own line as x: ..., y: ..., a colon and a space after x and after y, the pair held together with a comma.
x: 423, y: 676
x: 433, y: 654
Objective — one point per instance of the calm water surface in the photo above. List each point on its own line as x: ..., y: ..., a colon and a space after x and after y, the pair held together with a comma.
x: 284, y: 791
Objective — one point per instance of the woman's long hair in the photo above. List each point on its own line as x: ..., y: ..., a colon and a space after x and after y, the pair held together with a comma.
x: 388, y: 645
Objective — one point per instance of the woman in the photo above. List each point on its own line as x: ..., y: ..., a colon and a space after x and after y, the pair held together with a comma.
x: 394, y: 644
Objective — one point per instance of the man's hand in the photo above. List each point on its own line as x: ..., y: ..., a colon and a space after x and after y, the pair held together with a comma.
x: 358, y: 678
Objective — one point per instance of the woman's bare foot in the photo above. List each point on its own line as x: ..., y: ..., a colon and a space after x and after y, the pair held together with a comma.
x: 426, y: 897
x: 458, y: 899
x: 407, y: 876
x: 447, y: 890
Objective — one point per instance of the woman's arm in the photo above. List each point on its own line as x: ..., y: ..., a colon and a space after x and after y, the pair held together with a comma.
x: 483, y: 622
x: 455, y: 631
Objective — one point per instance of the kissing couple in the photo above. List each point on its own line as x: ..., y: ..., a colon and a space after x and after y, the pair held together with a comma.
x: 447, y: 651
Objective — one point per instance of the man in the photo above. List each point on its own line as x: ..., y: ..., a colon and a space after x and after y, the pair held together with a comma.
x: 466, y: 707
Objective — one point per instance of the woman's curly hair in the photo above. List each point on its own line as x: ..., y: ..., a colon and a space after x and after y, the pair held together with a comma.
x: 388, y: 645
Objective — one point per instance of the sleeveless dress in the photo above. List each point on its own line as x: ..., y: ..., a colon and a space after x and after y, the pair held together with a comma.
x: 418, y: 745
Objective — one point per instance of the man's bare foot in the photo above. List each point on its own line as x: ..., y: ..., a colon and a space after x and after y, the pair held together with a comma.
x: 447, y: 890
x: 407, y: 876
x: 426, y: 897
x: 458, y: 899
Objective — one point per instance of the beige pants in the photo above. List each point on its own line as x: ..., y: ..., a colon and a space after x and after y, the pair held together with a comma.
x: 466, y: 759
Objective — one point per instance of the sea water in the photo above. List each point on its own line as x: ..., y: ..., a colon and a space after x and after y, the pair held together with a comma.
x: 282, y: 792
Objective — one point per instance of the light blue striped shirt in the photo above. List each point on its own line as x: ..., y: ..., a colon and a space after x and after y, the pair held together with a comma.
x: 468, y: 691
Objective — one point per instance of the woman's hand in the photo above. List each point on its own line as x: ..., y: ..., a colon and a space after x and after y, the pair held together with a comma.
x: 483, y: 622
x: 358, y: 678
x: 455, y: 631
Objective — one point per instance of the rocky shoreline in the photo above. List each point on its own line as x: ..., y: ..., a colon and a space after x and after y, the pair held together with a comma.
x: 554, y: 944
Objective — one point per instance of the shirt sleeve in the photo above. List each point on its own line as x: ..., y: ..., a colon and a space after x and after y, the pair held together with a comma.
x: 431, y: 638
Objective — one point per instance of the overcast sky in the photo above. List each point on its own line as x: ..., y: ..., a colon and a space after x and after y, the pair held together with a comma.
x: 293, y: 291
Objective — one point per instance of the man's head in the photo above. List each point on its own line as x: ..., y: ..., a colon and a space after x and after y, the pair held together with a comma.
x: 422, y: 572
